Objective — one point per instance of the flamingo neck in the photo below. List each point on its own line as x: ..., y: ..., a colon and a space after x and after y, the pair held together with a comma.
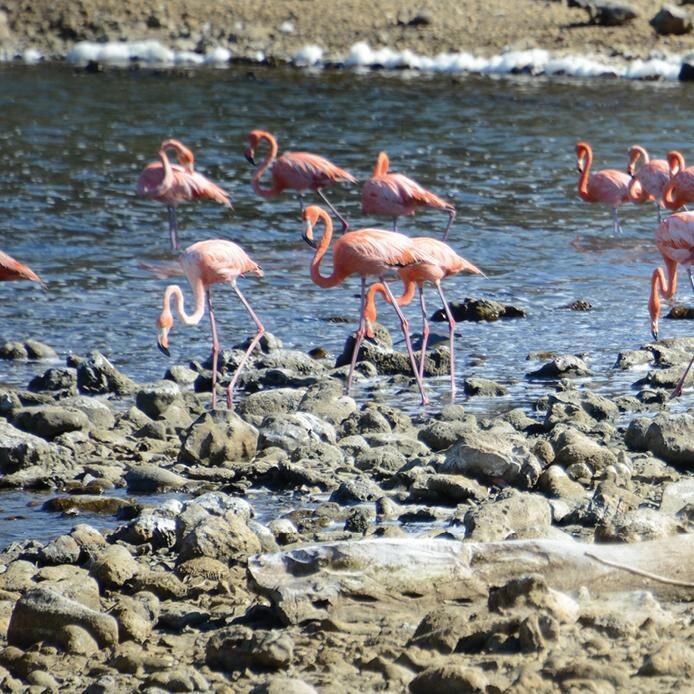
x: 585, y: 173
x: 675, y: 161
x: 634, y: 154
x: 271, y: 155
x: 185, y: 157
x: 382, y: 164
x: 410, y: 287
x: 338, y: 273
x: 173, y: 290
x: 168, y: 178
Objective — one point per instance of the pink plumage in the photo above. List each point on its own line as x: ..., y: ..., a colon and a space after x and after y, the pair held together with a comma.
x: 649, y: 179
x: 679, y: 190
x: 11, y: 270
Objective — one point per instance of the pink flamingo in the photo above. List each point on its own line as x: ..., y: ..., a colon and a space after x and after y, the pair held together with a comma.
x: 206, y: 263
x: 393, y: 194
x: 648, y: 181
x: 674, y: 238
x: 12, y: 270
x: 609, y: 186
x: 177, y: 183
x: 444, y: 263
x: 295, y: 170
x: 365, y: 252
x: 679, y: 191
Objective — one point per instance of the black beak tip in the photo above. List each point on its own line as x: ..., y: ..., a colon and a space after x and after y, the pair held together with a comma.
x: 163, y: 349
x: 309, y: 241
x: 249, y: 159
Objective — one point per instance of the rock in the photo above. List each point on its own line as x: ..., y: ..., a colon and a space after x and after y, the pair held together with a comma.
x: 440, y: 435
x: 356, y: 491
x: 97, y: 375
x: 19, y: 450
x: 50, y: 421
x: 113, y: 567
x: 151, y: 527
x: 288, y: 431
x: 136, y: 615
x: 97, y: 412
x: 155, y: 398
x: 578, y: 305
x: 285, y: 685
x: 448, y: 679
x: 483, y: 386
x: 219, y: 437
x: 635, y: 436
x: 446, y: 489
x: 677, y: 496
x: 55, y: 380
x: 256, y: 406
x: 670, y: 659
x: 478, y: 310
x: 87, y: 503
x: 63, y: 550
x: 671, y: 437
x: 150, y: 479
x: 179, y: 679
x: 31, y: 349
x: 671, y: 20
x: 239, y: 647
x: 607, y: 14
x: 556, y: 484
x: 42, y: 614
x: 561, y: 367
x: 219, y: 503
x: 226, y: 538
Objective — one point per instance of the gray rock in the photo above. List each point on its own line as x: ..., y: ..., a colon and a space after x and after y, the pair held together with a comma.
x: 573, y: 447
x: 440, y: 435
x: 227, y: 538
x: 19, y: 449
x: 181, y: 374
x: 151, y: 479
x: 478, y: 310
x: 446, y: 489
x: 150, y: 527
x: 31, y: 349
x: 671, y: 20
x: 49, y: 421
x: 179, y: 679
x: 677, y: 496
x: 483, y: 386
x: 55, y: 380
x: 97, y: 375
x: 63, y: 550
x: 113, y: 567
x: 561, y: 367
x: 556, y: 484
x: 288, y: 431
x: 635, y: 435
x: 448, y: 679
x: 669, y: 659
x: 256, y: 406
x: 671, y: 437
x: 356, y: 491
x: 42, y: 615
x: 219, y: 437
x: 239, y: 647
x: 155, y: 398
x: 136, y: 615
x: 219, y: 503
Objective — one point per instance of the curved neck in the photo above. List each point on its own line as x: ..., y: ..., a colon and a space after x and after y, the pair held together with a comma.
x: 338, y: 274
x: 167, y: 179
x: 173, y: 290
x: 382, y: 164
x: 675, y: 161
x: 583, y: 180
x: 634, y: 154
x: 255, y: 181
x: 410, y: 287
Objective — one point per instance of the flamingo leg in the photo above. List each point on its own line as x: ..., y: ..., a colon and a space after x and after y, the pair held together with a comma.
x: 451, y: 217
x: 405, y: 331
x: 343, y: 221
x: 173, y: 228
x: 691, y: 278
x: 678, y: 388
x: 215, y: 349
x: 451, y: 333
x: 395, y: 223
x: 425, y: 331
x: 616, y: 227
x: 361, y: 332
x: 657, y: 207
x: 260, y: 332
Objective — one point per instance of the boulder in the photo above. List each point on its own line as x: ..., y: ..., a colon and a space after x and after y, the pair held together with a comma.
x: 218, y: 437
x: 226, y: 538
x: 96, y: 374
x: 150, y: 479
x: 155, y: 398
x: 113, y: 567
x: 561, y: 367
x: 239, y: 647
x: 671, y: 437
x: 671, y: 20
x: 49, y: 421
x: 288, y: 431
x: 478, y: 310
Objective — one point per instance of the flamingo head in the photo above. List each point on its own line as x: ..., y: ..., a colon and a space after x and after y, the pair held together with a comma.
x: 164, y: 323
x: 310, y: 216
x: 582, y: 150
x: 634, y: 154
x: 254, y: 138
x: 186, y: 158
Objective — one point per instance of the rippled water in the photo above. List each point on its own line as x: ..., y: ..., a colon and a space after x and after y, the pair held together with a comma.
x: 73, y: 144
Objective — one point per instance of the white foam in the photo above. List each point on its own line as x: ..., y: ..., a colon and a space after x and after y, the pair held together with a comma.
x: 218, y: 56
x: 308, y: 55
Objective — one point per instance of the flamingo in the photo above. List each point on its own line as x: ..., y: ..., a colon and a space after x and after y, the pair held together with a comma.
x: 295, y: 170
x: 608, y: 186
x: 12, y: 270
x: 444, y: 263
x: 365, y: 252
x: 679, y: 191
x: 394, y: 195
x: 206, y: 263
x: 648, y: 181
x: 674, y: 238
x: 177, y: 183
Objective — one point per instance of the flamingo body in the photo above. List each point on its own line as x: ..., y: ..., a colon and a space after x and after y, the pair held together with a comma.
x: 12, y: 270
x: 206, y: 263
x: 395, y: 195
x: 649, y: 179
x: 679, y: 190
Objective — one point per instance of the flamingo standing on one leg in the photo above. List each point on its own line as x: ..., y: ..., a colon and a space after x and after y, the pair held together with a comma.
x: 648, y: 181
x: 609, y: 186
x: 11, y: 270
x: 444, y: 263
x: 365, y: 252
x: 679, y: 191
x: 393, y: 194
x: 674, y: 238
x: 173, y: 184
x: 295, y: 170
x: 206, y: 263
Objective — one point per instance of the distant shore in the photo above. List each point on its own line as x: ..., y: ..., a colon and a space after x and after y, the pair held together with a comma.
x: 280, y: 29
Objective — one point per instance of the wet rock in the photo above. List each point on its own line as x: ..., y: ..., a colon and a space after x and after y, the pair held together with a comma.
x: 227, y: 538
x: 356, y: 491
x: 448, y: 679
x: 97, y: 375
x: 578, y: 305
x: 219, y: 503
x: 239, y: 647
x: 64, y: 380
x: 670, y: 659
x: 63, y: 550
x: 87, y: 503
x: 446, y: 489
x: 31, y: 349
x: 556, y: 484
x: 677, y: 496
x: 42, y: 615
x: 478, y: 310
x: 483, y: 386
x: 113, y: 567
x: 50, y: 421
x: 440, y: 435
x: 671, y: 20
x: 155, y: 398
x: 561, y: 367
x: 671, y: 437
x: 150, y: 479
x: 19, y: 449
x: 256, y: 406
x: 219, y: 437
x: 288, y: 431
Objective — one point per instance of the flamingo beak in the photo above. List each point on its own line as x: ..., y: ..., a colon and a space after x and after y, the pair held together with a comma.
x: 163, y: 341
x: 308, y: 234
x: 249, y: 156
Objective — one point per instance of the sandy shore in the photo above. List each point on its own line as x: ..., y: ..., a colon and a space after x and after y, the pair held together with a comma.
x: 282, y: 27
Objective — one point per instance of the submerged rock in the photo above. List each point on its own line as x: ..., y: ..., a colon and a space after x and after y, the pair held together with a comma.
x: 478, y: 310
x: 96, y: 374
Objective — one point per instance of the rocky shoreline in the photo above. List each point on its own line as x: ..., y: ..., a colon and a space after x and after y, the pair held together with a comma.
x: 449, y: 552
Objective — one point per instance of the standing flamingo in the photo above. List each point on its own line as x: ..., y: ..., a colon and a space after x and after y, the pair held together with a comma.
x: 648, y: 181
x: 679, y: 191
x: 674, y: 238
x: 365, y: 252
x: 206, y: 263
x: 608, y: 186
x: 11, y: 270
x: 393, y: 194
x: 444, y: 263
x: 295, y: 170
x: 177, y: 183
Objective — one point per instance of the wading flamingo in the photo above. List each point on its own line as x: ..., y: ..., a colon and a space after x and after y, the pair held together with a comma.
x: 206, y: 263
x: 173, y: 184
x: 297, y: 171
x: 648, y: 181
x: 444, y: 263
x: 393, y: 195
x: 679, y: 190
x: 674, y: 238
x: 609, y: 186
x: 365, y: 252
x: 11, y: 270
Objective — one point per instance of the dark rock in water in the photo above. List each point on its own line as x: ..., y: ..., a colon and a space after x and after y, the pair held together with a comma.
x: 483, y: 386
x: 31, y: 350
x: 686, y: 72
x: 97, y: 375
x: 478, y: 310
x: 50, y: 421
x: 578, y: 305
x: 671, y: 20
x: 152, y: 479
x: 55, y: 379
x: 561, y: 367
x: 108, y: 505
x: 680, y: 311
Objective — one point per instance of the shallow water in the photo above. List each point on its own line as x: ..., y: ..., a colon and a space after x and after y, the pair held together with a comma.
x: 501, y: 149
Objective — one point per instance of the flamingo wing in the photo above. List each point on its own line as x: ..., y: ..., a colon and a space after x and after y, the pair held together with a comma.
x: 301, y: 170
x: 610, y: 186
x: 675, y: 238
x: 201, y: 188
x: 11, y: 269
x: 217, y: 260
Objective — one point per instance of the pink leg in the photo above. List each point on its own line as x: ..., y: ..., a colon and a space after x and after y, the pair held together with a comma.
x: 425, y: 331
x: 343, y: 221
x: 359, y: 336
x: 678, y: 388
x: 451, y: 217
x: 251, y: 347
x: 451, y: 331
x: 405, y: 331
x: 215, y: 350
x: 173, y: 228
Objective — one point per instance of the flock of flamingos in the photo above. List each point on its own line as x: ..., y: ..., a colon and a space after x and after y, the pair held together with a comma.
x: 378, y: 253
